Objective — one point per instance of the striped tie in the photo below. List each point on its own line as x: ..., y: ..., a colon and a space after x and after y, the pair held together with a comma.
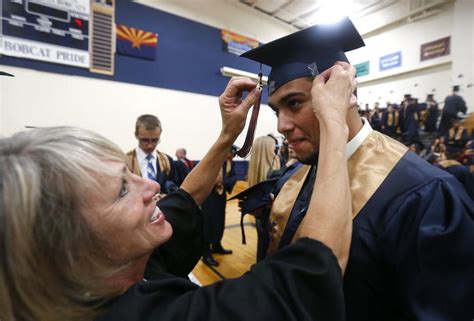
x: 150, y: 170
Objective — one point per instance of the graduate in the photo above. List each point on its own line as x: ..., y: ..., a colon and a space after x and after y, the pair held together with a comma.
x: 413, y: 224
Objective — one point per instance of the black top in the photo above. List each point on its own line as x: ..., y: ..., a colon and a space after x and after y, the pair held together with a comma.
x: 300, y: 282
x: 180, y: 254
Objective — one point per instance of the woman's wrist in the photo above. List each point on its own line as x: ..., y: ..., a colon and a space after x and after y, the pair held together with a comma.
x: 226, y: 138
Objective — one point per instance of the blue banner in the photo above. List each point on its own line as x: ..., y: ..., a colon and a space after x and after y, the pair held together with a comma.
x: 390, y: 61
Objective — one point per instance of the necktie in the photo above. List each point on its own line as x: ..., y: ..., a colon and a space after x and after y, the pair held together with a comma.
x: 150, y: 170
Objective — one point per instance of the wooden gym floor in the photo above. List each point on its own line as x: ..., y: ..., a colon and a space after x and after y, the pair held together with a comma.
x: 243, y: 256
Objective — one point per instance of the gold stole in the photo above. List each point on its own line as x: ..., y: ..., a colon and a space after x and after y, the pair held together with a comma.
x: 134, y: 166
x: 283, y: 205
x: 448, y: 163
x: 368, y: 167
x: 164, y: 162
x: 220, y: 183
x: 228, y: 167
x: 392, y: 118
x: 132, y: 162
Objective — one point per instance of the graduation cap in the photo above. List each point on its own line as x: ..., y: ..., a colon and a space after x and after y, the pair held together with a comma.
x: 254, y: 198
x: 307, y: 52
x: 2, y: 73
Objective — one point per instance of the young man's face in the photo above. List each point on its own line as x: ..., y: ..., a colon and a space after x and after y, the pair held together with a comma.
x: 148, y: 139
x: 296, y: 119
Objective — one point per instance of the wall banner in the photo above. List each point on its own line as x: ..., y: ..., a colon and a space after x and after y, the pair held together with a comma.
x: 362, y: 69
x: 434, y: 49
x: 136, y: 42
x: 237, y: 44
x: 390, y: 61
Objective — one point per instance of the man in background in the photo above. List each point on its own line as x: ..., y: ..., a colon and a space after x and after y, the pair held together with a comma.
x: 146, y: 161
x: 453, y: 104
x: 214, y: 209
x: 432, y: 114
x: 181, y: 156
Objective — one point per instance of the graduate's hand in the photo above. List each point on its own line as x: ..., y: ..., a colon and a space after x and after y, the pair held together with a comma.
x: 234, y: 109
x: 332, y: 92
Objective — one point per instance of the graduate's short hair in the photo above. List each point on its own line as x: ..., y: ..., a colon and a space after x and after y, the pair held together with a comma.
x: 148, y: 122
x: 53, y: 265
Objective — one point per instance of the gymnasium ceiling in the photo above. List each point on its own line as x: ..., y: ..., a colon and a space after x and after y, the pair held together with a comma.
x: 304, y: 13
x: 367, y: 15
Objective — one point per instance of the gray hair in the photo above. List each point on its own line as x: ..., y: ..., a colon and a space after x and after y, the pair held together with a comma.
x: 53, y: 266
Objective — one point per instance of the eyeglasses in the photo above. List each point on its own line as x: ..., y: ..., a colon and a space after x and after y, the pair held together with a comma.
x: 147, y: 141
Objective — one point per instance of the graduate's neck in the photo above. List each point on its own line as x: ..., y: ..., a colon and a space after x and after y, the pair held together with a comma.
x: 354, y: 123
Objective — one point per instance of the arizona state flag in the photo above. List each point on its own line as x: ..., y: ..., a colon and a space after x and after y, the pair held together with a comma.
x: 136, y: 43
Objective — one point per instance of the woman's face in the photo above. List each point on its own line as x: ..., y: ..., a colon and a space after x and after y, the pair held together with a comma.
x: 125, y: 215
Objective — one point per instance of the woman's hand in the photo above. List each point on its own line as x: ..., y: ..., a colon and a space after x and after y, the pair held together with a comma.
x: 202, y: 178
x: 234, y: 110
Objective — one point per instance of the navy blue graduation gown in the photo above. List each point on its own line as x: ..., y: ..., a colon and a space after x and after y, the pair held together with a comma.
x: 412, y: 255
x: 412, y: 250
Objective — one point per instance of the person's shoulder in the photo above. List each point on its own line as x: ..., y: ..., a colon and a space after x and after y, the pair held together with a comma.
x: 131, y: 152
x: 417, y: 167
x: 450, y: 98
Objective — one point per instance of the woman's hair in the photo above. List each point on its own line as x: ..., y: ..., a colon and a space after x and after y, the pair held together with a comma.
x: 262, y: 160
x: 52, y: 265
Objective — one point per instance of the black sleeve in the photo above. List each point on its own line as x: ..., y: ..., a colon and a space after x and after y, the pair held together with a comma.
x: 302, y: 281
x: 180, y: 254
x: 173, y: 181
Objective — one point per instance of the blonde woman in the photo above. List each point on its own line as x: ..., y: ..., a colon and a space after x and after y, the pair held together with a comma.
x: 263, y: 160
